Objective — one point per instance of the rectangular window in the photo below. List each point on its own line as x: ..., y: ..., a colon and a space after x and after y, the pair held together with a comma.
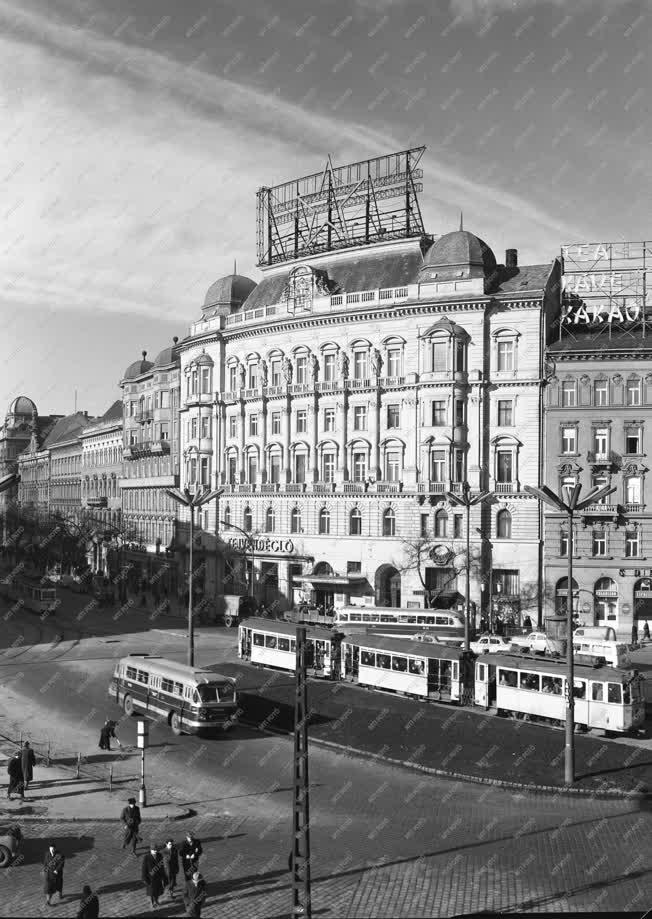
x: 459, y: 412
x: 633, y: 392
x: 506, y: 581
x: 233, y: 425
x: 568, y: 394
x: 424, y: 525
x: 360, y: 418
x: 253, y: 425
x: 360, y: 365
x: 505, y: 355
x: 206, y: 379
x: 359, y: 466
x: 600, y: 392
x: 633, y: 440
x: 205, y: 470
x: 328, y: 467
x: 275, y: 468
x: 300, y: 468
x: 569, y: 440
x: 599, y: 481
x: 165, y: 398
x: 205, y: 426
x: 393, y: 467
x: 505, y: 412
x: 439, y: 412
x: 142, y: 676
x: 353, y: 567
x: 252, y: 468
x: 460, y: 356
x: 329, y: 419
x: 302, y: 421
x: 232, y: 470
x: 276, y: 372
x: 253, y: 376
x: 504, y: 466
x: 233, y: 378
x: 440, y: 355
x: 438, y: 466
x: 193, y: 428
x: 329, y: 367
x: 563, y: 543
x: 302, y: 370
x: 457, y: 526
x: 276, y: 422
x: 393, y: 362
x: 601, y: 441
x: 194, y: 381
x: 393, y: 416
x: 458, y: 466
x: 632, y: 543
x: 599, y: 543
x: 633, y: 490
x: 165, y: 431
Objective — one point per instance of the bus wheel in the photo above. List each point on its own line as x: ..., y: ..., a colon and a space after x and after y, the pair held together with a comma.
x: 128, y: 705
x: 228, y: 620
x: 175, y: 724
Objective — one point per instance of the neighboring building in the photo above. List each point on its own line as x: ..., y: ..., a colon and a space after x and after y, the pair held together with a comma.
x: 598, y: 433
x: 101, y: 496
x: 22, y: 421
x: 339, y: 399
x: 150, y: 396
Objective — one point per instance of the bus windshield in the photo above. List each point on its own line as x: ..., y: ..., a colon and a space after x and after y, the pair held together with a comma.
x: 210, y: 692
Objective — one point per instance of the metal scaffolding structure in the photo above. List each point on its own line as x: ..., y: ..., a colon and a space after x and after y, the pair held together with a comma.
x: 300, y: 856
x: 340, y: 207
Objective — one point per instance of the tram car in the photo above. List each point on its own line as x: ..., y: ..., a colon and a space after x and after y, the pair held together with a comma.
x: 272, y: 643
x: 424, y: 670
x: 31, y: 594
x: 535, y: 687
x: 399, y: 623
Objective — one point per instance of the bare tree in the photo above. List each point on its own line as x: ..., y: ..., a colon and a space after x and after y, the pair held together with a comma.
x: 452, y: 559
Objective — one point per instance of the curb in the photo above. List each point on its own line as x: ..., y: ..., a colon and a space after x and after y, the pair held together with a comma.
x: 28, y: 818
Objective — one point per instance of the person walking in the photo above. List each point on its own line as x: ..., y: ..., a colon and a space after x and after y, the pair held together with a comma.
x: 89, y: 907
x: 171, y: 862
x: 15, y: 770
x: 107, y: 732
x: 53, y: 870
x: 153, y: 874
x: 190, y: 852
x: 27, y: 762
x: 195, y: 896
x: 131, y: 818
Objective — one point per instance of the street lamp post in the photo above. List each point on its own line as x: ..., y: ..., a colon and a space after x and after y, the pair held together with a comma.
x: 192, y: 501
x: 467, y: 500
x: 250, y: 542
x: 570, y: 507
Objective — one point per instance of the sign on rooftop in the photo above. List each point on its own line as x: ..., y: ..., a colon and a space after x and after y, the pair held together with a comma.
x: 341, y: 207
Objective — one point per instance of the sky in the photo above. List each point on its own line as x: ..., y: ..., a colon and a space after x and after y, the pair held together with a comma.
x: 135, y: 134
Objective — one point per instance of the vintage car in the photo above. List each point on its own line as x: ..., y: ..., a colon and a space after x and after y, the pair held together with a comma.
x: 491, y: 644
x: 11, y: 840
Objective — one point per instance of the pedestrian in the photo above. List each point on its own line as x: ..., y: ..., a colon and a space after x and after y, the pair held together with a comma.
x: 15, y: 770
x: 27, y: 762
x: 190, y: 852
x: 105, y: 735
x: 130, y: 816
x: 53, y: 870
x: 527, y: 624
x: 195, y: 896
x: 153, y: 874
x: 89, y: 907
x: 171, y: 862
x: 646, y: 631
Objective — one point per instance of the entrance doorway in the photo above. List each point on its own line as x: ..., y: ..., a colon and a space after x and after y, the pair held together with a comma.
x: 269, y: 583
x: 322, y: 594
x: 388, y: 586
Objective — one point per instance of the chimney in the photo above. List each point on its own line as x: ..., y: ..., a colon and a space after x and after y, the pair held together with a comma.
x: 511, y: 258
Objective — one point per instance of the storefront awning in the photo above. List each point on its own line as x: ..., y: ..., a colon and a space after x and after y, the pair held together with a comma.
x: 332, y: 580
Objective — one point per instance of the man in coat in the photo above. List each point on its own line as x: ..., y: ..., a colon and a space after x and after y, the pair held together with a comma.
x: 53, y: 870
x: 27, y: 761
x: 89, y: 908
x: 153, y: 874
x: 189, y: 853
x: 130, y: 816
x: 15, y: 770
x: 107, y: 732
x: 171, y: 862
x: 195, y: 896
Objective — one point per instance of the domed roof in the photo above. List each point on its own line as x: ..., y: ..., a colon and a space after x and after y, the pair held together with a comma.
x: 460, y: 254
x: 204, y: 359
x: 138, y: 368
x: 168, y: 356
x: 22, y: 406
x: 231, y: 291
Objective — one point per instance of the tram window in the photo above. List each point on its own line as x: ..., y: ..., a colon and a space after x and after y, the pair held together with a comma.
x: 259, y: 639
x: 530, y: 681
x: 411, y: 620
x: 422, y: 620
x: 626, y: 695
x: 355, y: 617
x: 344, y: 617
x: 284, y: 644
x: 400, y: 664
x: 579, y: 689
x: 366, y: 617
x: 508, y: 678
x: 167, y: 685
x: 383, y: 661
x: 387, y: 619
x: 131, y: 673
x: 551, y: 684
x: 481, y: 674
x: 596, y: 692
x: 402, y: 619
x: 293, y: 644
x: 454, y: 670
x: 142, y: 676
x: 374, y: 618
x: 445, y: 671
x: 178, y: 689
x: 442, y: 620
x: 613, y: 693
x: 417, y: 666
x: 368, y: 658
x: 270, y: 641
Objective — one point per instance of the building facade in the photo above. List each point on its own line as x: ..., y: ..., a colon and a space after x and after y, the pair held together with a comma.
x: 101, y: 496
x: 598, y: 433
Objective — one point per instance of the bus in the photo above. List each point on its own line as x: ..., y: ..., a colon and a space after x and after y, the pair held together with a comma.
x: 399, y: 623
x: 30, y: 594
x: 189, y: 699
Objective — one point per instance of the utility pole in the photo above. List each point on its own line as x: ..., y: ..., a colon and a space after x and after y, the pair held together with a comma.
x: 300, y: 856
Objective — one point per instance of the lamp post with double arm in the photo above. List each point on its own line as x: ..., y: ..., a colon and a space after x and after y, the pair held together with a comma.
x: 192, y: 501
x: 571, y: 506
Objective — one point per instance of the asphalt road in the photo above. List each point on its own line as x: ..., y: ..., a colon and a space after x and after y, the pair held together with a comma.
x: 385, y: 842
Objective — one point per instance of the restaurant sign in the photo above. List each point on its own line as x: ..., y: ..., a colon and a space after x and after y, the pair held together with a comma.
x: 263, y: 545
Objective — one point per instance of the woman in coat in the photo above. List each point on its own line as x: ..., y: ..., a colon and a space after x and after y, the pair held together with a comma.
x: 153, y: 874
x: 53, y: 870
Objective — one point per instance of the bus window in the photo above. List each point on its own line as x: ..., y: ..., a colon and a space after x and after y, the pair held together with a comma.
x: 530, y: 681
x: 142, y: 676
x: 270, y: 641
x: 417, y: 666
x: 368, y: 658
x: 613, y: 693
x: 259, y: 639
x: 508, y: 678
x: 284, y: 644
x: 195, y: 697
x: 383, y: 661
x: 167, y: 685
x: 579, y: 689
x: 375, y: 617
x: 596, y: 692
x: 131, y: 673
x: 399, y: 663
x: 178, y: 689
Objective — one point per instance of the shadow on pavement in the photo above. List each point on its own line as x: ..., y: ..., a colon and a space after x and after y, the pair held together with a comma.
x: 34, y: 849
x: 565, y: 893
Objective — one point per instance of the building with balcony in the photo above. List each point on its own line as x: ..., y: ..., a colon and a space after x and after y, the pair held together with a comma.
x: 102, y: 449
x: 598, y: 433
x: 341, y: 398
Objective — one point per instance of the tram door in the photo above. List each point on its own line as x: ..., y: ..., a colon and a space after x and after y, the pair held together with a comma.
x: 310, y: 652
x: 433, y: 676
x: 245, y: 644
x: 320, y: 654
x: 351, y: 661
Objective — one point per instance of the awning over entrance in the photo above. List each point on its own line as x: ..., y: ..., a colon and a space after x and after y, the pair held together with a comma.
x: 332, y: 580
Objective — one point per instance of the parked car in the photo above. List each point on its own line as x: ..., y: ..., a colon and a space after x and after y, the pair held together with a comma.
x: 595, y: 633
x: 11, y: 840
x: 490, y: 644
x: 536, y: 642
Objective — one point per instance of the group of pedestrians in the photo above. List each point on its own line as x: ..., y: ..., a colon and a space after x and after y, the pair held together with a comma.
x: 21, y: 771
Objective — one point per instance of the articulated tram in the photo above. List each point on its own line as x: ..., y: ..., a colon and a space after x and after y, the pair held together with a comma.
x: 516, y: 685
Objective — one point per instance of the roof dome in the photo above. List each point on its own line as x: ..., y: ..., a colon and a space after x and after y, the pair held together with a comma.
x: 168, y: 356
x: 460, y: 254
x: 138, y: 368
x: 231, y: 291
x: 204, y: 359
x: 22, y: 406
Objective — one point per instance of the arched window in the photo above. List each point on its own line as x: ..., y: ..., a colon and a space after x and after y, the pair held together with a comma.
x: 324, y: 521
x: 389, y: 523
x: 503, y: 525
x: 227, y: 516
x: 270, y: 520
x: 355, y: 522
x: 247, y: 520
x: 295, y: 520
x: 441, y: 524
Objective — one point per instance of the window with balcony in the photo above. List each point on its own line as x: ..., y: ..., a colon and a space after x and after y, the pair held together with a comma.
x: 569, y: 440
x: 302, y: 421
x: 503, y: 525
x: 329, y: 367
x: 394, y: 362
x: 252, y: 469
x: 600, y: 481
x: 389, y: 522
x: 599, y: 543
x: 393, y: 466
x: 360, y: 365
x: 601, y: 442
x: 505, y: 355
x: 329, y: 419
x: 233, y: 426
x: 601, y: 392
x: 393, y: 416
x: 270, y: 520
x: 441, y: 524
x: 359, y: 466
x: 355, y: 522
x: 205, y: 426
x: 275, y: 468
x: 360, y: 418
x: 276, y: 422
x: 324, y: 521
x: 504, y: 466
x: 192, y: 470
x: 205, y: 466
x: 301, y: 369
x: 633, y: 392
x: 328, y: 467
x: 164, y: 431
x: 233, y: 378
x: 206, y: 374
x: 247, y: 520
x: 439, y: 412
x: 438, y: 466
x: 295, y: 520
x: 253, y: 425
x: 439, y: 352
x: 569, y: 393
x: 300, y: 468
x: 633, y: 440
x: 633, y: 489
x: 232, y: 470
x: 275, y: 372
x: 632, y: 543
x: 505, y: 413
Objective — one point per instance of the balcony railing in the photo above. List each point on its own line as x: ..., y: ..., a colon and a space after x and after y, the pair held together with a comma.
x: 635, y: 508
x: 269, y: 487
x: 323, y: 486
x: 363, y: 383
x: 278, y: 389
x: 295, y: 488
x: 389, y: 488
x: 600, y: 510
x: 433, y: 488
x: 327, y: 385
x: 392, y: 381
x: 602, y: 458
x: 147, y: 448
x: 505, y: 488
x: 301, y: 387
x: 353, y: 487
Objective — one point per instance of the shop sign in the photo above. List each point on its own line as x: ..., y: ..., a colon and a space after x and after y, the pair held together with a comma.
x: 263, y: 545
